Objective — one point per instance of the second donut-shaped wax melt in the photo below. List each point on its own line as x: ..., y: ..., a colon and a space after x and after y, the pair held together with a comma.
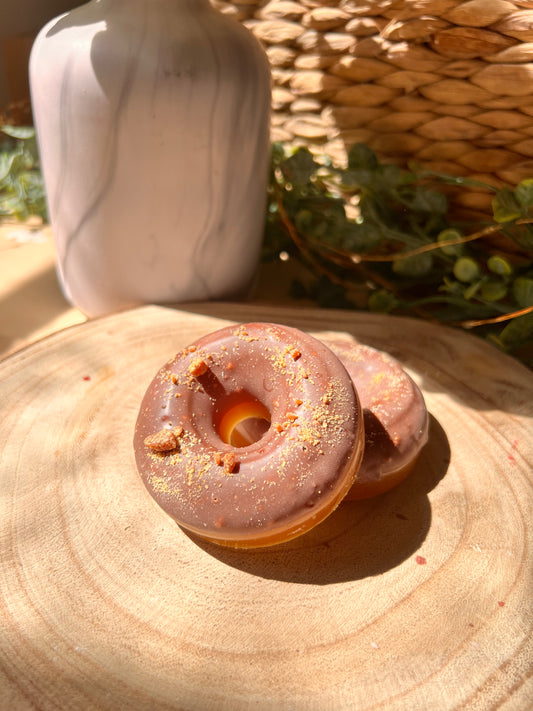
x: 395, y: 417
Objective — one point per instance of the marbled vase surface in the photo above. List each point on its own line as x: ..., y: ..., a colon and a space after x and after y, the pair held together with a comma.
x: 153, y: 124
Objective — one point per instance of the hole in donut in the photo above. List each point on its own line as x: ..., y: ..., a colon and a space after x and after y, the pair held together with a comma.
x: 244, y: 423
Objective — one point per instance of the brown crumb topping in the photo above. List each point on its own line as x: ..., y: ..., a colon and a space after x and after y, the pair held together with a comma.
x: 165, y: 440
x: 198, y: 367
x: 229, y: 462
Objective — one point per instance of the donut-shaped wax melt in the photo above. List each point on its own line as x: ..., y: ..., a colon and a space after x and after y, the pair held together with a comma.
x: 395, y: 417
x: 250, y: 436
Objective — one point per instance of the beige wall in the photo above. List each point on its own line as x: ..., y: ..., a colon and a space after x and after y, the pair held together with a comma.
x: 20, y: 20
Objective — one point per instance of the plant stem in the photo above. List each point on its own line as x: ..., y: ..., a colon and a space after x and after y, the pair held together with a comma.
x: 496, y: 319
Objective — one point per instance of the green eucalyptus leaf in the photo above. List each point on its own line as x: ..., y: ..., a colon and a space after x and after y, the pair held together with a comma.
x: 361, y: 156
x: 472, y: 289
x: 523, y: 291
x: 449, y: 234
x: 299, y: 167
x: 525, y: 239
x: 35, y: 197
x: 391, y: 176
x: 493, y: 290
x: 416, y: 266
x: 21, y: 132
x: 6, y: 160
x: 360, y: 238
x: 20, y: 163
x: 505, y: 206
x: 355, y: 178
x: 499, y: 265
x: 10, y: 204
x: 466, y: 269
x: 428, y: 201
x: 518, y: 331
x: 524, y: 193
x: 450, y: 286
x: 382, y: 301
x: 32, y: 150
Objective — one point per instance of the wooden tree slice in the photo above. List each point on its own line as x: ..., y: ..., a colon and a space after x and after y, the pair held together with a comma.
x: 418, y: 599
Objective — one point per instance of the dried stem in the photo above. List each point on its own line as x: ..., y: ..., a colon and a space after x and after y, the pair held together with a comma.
x: 302, y: 247
x: 491, y: 229
x: 366, y: 274
x: 496, y: 319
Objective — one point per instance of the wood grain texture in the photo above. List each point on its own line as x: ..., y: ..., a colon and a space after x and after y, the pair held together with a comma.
x: 419, y: 599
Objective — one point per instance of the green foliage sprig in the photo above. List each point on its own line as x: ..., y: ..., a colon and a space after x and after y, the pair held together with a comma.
x: 386, y: 235
x: 372, y: 235
x: 22, y: 192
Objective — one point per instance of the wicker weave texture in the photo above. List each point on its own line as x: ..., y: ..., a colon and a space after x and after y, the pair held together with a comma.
x: 445, y: 83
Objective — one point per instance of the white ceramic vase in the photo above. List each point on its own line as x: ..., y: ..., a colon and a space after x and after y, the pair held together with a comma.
x: 152, y: 118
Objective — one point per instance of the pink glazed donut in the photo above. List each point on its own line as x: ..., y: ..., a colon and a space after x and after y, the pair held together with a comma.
x: 250, y: 436
x: 394, y: 412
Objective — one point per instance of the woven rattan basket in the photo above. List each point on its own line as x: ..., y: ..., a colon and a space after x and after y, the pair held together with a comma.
x: 445, y: 83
